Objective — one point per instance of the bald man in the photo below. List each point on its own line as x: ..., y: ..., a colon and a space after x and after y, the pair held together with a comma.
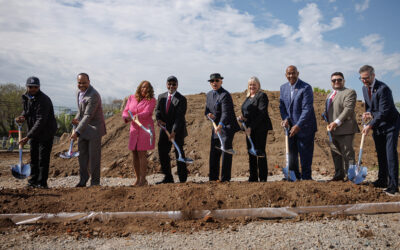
x: 297, y: 113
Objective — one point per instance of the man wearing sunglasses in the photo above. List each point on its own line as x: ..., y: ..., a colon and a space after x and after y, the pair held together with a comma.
x: 297, y: 113
x: 219, y: 107
x: 170, y: 113
x: 342, y: 124
x: 385, y: 124
x: 38, y: 112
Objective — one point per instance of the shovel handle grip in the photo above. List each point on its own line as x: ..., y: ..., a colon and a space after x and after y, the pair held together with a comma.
x: 362, y: 141
x: 135, y: 120
x: 166, y: 131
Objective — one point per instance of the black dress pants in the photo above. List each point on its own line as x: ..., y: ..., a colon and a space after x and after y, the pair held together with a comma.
x: 40, y: 160
x: 258, y: 166
x: 215, y: 156
x: 164, y: 147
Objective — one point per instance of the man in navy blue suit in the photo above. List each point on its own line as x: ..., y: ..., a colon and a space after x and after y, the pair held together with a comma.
x: 385, y: 124
x: 297, y: 113
x: 219, y: 107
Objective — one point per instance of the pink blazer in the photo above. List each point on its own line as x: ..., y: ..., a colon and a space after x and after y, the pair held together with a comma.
x: 139, y: 140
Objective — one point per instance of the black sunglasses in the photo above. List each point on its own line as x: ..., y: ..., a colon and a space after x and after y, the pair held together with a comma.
x: 172, y: 84
x: 33, y: 87
x: 214, y: 80
x: 337, y: 80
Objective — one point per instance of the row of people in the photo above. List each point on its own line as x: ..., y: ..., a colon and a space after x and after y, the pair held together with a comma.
x: 296, y: 109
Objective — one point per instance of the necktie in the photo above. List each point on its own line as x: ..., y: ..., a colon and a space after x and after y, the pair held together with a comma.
x: 369, y: 93
x: 168, y: 103
x: 331, y: 98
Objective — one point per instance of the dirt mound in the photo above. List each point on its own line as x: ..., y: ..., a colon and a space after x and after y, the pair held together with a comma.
x: 116, y: 159
x: 182, y: 197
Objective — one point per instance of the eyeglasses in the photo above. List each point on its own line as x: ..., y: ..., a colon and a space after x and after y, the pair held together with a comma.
x: 364, y: 78
x: 214, y: 80
x: 172, y: 84
x: 33, y: 87
x: 337, y: 80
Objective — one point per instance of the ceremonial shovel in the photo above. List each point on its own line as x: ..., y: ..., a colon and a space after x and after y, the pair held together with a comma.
x: 20, y: 171
x: 357, y: 173
x: 330, y: 143
x: 70, y: 154
x: 185, y: 160
x: 222, y: 148
x: 289, y: 175
x: 252, y: 150
x: 148, y: 130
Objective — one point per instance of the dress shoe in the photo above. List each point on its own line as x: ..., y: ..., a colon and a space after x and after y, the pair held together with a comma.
x: 379, y: 184
x: 79, y: 185
x: 165, y: 181
x: 336, y: 178
x: 391, y: 191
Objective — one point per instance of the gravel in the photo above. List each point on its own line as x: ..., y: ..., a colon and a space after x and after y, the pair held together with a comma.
x: 363, y: 232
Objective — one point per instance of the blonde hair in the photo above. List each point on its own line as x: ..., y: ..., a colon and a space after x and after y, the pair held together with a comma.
x: 253, y: 79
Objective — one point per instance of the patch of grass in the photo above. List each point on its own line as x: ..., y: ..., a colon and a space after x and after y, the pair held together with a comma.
x: 323, y: 91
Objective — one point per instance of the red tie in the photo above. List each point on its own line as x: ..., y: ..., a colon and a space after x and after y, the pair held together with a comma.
x: 331, y: 98
x: 369, y: 93
x: 168, y: 103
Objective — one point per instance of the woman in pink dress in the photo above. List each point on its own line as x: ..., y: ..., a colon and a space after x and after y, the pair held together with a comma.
x: 141, y: 106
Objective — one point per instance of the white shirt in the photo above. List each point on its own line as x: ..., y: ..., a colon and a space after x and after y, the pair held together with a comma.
x: 172, y: 96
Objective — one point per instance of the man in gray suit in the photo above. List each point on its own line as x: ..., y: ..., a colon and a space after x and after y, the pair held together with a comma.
x: 90, y: 128
x: 339, y: 111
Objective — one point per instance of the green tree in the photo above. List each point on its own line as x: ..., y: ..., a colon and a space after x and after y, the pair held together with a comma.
x: 64, y: 123
x: 10, y: 106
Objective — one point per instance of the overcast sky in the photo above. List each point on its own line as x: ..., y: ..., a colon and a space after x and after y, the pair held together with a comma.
x: 119, y: 43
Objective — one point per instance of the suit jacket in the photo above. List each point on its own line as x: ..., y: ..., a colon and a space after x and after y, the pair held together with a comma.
x: 90, y: 115
x: 342, y: 108
x: 299, y: 110
x: 39, y: 115
x: 256, y: 112
x: 381, y: 105
x: 220, y: 104
x: 175, y: 119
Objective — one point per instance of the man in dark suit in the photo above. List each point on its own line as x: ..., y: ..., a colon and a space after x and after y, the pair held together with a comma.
x: 297, y: 113
x: 339, y: 110
x: 219, y: 107
x: 170, y: 113
x: 385, y: 124
x: 90, y: 128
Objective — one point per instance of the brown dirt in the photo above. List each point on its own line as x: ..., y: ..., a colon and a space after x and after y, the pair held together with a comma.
x: 116, y: 160
x: 183, y: 197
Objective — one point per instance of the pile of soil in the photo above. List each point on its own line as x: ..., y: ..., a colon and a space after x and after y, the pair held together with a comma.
x: 117, y: 162
x: 188, y: 196
x: 183, y: 197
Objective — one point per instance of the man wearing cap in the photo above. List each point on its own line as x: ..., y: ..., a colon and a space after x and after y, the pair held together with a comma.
x: 170, y: 113
x: 219, y: 107
x: 38, y: 112
x: 90, y: 128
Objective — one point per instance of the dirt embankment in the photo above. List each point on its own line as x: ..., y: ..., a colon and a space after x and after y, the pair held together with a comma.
x: 116, y: 159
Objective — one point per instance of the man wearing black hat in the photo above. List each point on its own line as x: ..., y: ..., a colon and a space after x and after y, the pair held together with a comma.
x: 38, y: 112
x: 170, y: 113
x: 219, y: 107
